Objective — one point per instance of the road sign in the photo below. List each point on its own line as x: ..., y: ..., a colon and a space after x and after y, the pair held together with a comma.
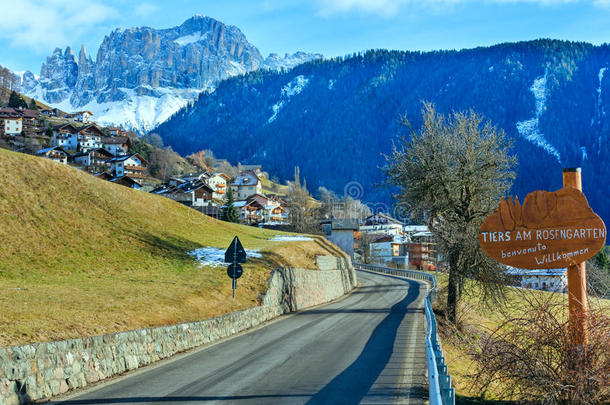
x: 235, y: 270
x: 550, y: 230
x: 236, y: 252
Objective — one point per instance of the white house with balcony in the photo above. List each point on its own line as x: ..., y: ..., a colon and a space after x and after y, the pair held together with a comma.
x: 245, y: 185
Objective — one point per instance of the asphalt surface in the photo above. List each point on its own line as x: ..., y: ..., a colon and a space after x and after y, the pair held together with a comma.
x: 367, y: 348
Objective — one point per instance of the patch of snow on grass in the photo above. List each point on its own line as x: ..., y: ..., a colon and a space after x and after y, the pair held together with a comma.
x: 280, y: 238
x: 214, y: 257
x: 529, y: 129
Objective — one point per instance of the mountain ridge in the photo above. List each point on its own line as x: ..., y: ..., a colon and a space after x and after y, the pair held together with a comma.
x: 142, y: 75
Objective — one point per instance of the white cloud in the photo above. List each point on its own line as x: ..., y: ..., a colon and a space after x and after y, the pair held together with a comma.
x: 145, y: 9
x: 389, y: 8
x: 42, y: 24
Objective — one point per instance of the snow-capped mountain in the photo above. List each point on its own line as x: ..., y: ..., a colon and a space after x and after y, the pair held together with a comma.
x: 141, y: 76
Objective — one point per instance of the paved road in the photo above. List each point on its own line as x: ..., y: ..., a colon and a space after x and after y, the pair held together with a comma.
x: 367, y: 348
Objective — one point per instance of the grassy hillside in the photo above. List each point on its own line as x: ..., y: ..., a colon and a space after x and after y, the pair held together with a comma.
x: 83, y: 256
x: 5, y: 93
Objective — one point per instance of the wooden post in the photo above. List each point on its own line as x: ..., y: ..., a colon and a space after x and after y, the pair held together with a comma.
x: 577, y: 279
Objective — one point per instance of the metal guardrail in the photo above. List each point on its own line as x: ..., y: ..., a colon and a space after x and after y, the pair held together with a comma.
x: 439, y: 380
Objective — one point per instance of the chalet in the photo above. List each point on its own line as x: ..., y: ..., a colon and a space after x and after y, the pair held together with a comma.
x: 422, y: 251
x: 187, y: 178
x: 381, y: 224
x: 192, y: 194
x: 341, y: 233
x: 127, y: 182
x: 545, y: 279
x: 90, y: 137
x: 65, y: 136
x: 218, y: 182
x: 122, y: 180
x: 256, y: 169
x: 132, y: 165
x: 81, y: 116
x: 53, y: 112
x: 245, y: 185
x: 250, y: 212
x: 117, y: 145
x: 32, y: 125
x: 94, y: 160
x: 381, y: 250
x: 116, y: 131
x: 55, y: 153
x: 275, y: 213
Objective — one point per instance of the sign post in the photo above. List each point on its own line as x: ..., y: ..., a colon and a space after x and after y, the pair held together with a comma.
x: 550, y: 230
x: 577, y: 278
x: 235, y: 254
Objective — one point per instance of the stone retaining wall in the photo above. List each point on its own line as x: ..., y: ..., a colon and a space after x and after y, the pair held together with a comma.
x: 43, y: 370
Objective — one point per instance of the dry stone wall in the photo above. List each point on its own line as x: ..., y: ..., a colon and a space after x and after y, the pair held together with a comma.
x: 42, y: 370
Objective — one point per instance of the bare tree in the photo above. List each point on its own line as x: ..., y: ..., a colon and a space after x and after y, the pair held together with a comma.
x: 300, y: 205
x: 453, y: 173
x: 528, y: 356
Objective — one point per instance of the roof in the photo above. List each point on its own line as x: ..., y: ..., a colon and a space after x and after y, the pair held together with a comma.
x: 123, y: 158
x: 416, y: 228
x: 116, y: 140
x: 46, y: 150
x: 381, y: 218
x: 63, y: 126
x: 125, y: 179
x: 422, y: 234
x: 98, y: 150
x: 222, y: 175
x: 247, y: 178
x: 92, y: 128
x: 513, y: 271
x: 345, y: 224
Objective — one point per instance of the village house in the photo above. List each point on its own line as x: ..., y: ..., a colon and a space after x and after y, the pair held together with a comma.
x: 132, y: 165
x: 90, y: 137
x: 81, y: 116
x: 422, y: 252
x: 256, y: 169
x: 381, y: 224
x: 65, y: 136
x: 194, y: 194
x: 218, y: 182
x: 250, y: 212
x: 245, y: 185
x: 555, y: 280
x: 125, y: 181
x: 95, y: 160
x: 32, y: 125
x: 341, y: 232
x: 116, y: 131
x: 55, y: 153
x: 11, y: 123
x: 273, y: 212
x: 52, y: 112
x: 117, y: 145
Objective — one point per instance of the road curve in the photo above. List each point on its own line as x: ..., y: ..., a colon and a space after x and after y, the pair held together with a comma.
x: 367, y: 348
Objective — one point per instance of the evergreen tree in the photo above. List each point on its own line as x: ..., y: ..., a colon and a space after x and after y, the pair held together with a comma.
x: 16, y: 101
x: 229, y: 213
x: 33, y: 105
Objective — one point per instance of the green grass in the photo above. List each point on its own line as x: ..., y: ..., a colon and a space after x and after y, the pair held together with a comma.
x: 83, y: 256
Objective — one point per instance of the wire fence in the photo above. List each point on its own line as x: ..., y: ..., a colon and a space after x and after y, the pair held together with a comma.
x: 439, y: 380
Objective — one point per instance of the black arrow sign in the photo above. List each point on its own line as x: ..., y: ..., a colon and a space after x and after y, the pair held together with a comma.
x: 236, y: 252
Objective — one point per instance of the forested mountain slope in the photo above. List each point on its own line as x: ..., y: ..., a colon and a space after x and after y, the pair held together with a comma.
x: 336, y: 118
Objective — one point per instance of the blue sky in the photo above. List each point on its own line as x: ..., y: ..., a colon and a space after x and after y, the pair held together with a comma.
x: 31, y: 29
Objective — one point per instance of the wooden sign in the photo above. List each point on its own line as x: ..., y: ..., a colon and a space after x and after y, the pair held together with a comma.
x: 550, y: 230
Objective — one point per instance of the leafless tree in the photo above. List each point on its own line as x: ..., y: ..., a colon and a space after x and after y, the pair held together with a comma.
x: 453, y: 173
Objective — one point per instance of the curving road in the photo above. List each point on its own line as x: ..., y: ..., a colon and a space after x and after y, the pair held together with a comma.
x: 366, y: 348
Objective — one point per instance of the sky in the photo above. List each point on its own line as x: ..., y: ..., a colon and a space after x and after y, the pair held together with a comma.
x: 32, y: 29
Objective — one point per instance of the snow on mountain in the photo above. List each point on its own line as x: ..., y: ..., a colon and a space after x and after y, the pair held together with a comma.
x: 529, y: 129
x: 293, y: 88
x: 276, y: 62
x: 600, y: 108
x: 142, y: 76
